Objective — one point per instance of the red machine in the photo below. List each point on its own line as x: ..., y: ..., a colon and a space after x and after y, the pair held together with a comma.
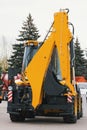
x: 5, y: 83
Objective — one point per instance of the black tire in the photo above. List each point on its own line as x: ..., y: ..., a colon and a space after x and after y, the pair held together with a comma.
x: 70, y: 119
x: 16, y: 118
x: 0, y: 101
x: 81, y: 113
x: 78, y: 115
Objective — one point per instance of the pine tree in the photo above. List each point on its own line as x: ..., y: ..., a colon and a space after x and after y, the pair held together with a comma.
x: 16, y: 59
x: 29, y: 32
x: 85, y: 69
x: 79, y: 59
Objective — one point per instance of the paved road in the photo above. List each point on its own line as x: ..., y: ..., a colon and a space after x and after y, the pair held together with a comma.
x: 41, y: 123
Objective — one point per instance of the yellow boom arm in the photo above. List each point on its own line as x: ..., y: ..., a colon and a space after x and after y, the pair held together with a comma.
x: 60, y: 38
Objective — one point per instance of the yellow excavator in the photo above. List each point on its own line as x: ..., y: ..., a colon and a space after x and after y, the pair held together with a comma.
x: 47, y: 86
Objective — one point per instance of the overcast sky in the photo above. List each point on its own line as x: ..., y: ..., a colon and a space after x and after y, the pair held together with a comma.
x: 14, y: 12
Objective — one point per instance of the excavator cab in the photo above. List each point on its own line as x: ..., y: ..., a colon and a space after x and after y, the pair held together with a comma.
x: 30, y: 49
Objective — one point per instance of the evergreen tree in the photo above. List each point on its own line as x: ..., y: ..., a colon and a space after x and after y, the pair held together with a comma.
x: 85, y: 69
x: 29, y: 32
x: 16, y: 58
x: 79, y: 59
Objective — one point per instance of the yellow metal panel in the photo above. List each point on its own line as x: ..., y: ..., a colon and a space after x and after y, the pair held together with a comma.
x: 63, y: 37
x: 37, y: 69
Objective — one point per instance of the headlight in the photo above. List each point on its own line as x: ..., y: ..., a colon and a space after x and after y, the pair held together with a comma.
x: 10, y: 88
